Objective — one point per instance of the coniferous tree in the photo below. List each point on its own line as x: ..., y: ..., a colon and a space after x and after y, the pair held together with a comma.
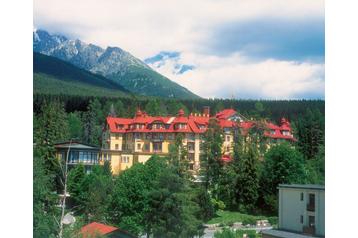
x: 44, y: 201
x: 211, y: 164
x: 247, y: 180
x: 75, y: 125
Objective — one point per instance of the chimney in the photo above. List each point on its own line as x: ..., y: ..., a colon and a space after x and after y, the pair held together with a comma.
x: 206, y: 110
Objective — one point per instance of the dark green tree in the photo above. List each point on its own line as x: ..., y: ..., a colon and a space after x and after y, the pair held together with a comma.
x: 310, y: 133
x: 174, y: 106
x: 51, y: 127
x: 171, y: 211
x: 76, y: 188
x: 44, y: 201
x: 75, y: 125
x: 283, y: 165
x: 155, y: 107
x: 247, y: 180
x: 211, y: 164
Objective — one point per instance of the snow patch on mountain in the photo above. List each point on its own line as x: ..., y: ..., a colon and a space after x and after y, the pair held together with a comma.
x: 170, y: 60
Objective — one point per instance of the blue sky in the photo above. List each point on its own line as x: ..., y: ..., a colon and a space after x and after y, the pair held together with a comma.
x: 272, y: 49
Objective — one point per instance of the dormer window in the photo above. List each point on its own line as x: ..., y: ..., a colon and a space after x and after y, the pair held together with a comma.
x: 286, y: 133
x: 180, y: 126
x: 272, y: 132
x: 119, y: 126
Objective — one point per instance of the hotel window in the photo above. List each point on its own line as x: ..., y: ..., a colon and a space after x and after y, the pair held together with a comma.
x: 301, y: 196
x: 117, y: 136
x: 157, y: 147
x: 146, y: 147
x: 227, y: 138
x: 170, y: 136
x: 117, y: 147
x: 191, y: 166
x: 301, y: 219
x: 125, y: 159
x: 139, y: 146
x: 285, y: 133
x: 136, y: 135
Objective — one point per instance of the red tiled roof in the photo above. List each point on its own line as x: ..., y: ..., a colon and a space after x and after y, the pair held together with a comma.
x: 96, y: 228
x: 193, y: 124
x: 225, y: 114
x: 226, y: 158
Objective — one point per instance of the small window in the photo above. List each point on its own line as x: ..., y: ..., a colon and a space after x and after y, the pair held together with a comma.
x: 139, y: 146
x: 125, y: 159
x: 301, y: 196
x: 117, y: 146
x: 301, y: 219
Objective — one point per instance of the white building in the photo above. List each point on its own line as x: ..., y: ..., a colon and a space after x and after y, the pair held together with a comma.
x: 301, y: 211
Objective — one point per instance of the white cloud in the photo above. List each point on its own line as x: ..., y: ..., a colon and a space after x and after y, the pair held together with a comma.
x: 236, y: 77
x: 145, y: 28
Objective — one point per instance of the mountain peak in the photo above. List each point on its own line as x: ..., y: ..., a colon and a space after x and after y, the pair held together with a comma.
x: 113, y: 63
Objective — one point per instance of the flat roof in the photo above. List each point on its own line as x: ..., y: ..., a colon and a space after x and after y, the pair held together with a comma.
x: 76, y: 145
x: 284, y: 234
x: 302, y: 186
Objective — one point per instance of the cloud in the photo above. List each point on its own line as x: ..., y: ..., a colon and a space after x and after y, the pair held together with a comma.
x: 234, y: 76
x: 170, y: 60
x: 247, y: 48
x: 297, y: 40
x: 145, y: 28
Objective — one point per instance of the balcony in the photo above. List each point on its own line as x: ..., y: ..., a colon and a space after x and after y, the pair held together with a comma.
x: 309, y: 230
x: 310, y: 207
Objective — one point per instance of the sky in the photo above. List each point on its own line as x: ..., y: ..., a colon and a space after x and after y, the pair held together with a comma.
x: 243, y: 49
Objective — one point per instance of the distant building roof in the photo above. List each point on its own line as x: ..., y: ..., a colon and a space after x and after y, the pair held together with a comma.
x: 284, y: 234
x: 302, y: 186
x: 75, y: 145
x: 96, y: 228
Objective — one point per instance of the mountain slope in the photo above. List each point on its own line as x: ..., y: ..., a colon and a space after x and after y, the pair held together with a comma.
x: 113, y: 63
x: 54, y: 76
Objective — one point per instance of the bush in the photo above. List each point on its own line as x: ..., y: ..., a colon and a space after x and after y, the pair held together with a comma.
x: 218, y: 204
x: 228, y: 233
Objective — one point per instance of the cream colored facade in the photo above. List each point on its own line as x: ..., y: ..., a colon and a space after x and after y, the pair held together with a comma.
x: 124, y: 150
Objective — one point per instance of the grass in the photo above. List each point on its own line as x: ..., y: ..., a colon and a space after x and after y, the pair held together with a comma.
x: 227, y: 218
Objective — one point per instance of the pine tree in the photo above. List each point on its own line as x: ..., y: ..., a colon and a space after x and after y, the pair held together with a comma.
x: 211, y: 164
x: 247, y: 181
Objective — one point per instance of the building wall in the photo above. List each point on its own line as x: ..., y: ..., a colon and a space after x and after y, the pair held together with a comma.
x: 291, y: 208
x: 128, y: 146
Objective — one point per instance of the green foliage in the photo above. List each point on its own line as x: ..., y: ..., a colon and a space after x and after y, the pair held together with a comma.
x: 203, y: 199
x: 54, y: 76
x: 173, y: 106
x: 75, y: 125
x: 229, y: 217
x: 316, y: 167
x: 91, y: 193
x: 170, y: 213
x: 283, y: 165
x: 310, y: 132
x: 247, y: 180
x: 228, y: 233
x: 51, y: 127
x: 76, y: 178
x: 155, y: 107
x: 211, y: 157
x: 92, y: 121
x: 44, y: 201
x: 145, y: 81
